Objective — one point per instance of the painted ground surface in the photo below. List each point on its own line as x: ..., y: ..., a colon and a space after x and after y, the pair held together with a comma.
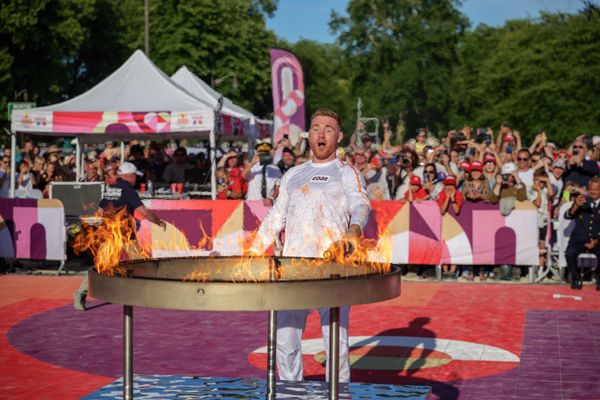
x: 467, y: 341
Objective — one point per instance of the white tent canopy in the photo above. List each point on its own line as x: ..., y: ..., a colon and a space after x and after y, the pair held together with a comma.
x: 196, y: 86
x: 204, y: 92
x: 138, y: 97
x: 138, y: 100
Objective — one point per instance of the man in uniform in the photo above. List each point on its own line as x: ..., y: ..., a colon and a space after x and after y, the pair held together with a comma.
x: 586, y: 234
x: 321, y: 203
x: 117, y: 197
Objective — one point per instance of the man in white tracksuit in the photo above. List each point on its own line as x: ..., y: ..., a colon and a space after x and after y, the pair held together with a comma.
x: 321, y: 203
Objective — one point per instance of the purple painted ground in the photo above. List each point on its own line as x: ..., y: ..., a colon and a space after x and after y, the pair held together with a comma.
x: 560, y: 357
x: 165, y: 341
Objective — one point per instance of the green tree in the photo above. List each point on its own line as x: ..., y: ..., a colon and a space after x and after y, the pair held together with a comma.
x: 215, y: 38
x: 542, y: 74
x: 402, y: 54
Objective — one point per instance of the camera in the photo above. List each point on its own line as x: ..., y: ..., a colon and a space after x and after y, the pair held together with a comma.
x: 505, y: 178
x: 220, y: 181
x: 265, y: 159
x: 406, y: 160
x: 483, y: 136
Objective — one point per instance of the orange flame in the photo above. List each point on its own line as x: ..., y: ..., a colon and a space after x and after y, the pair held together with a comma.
x: 113, y: 240
x: 110, y: 241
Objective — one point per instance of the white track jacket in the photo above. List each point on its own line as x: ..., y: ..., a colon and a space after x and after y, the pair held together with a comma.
x: 317, y: 203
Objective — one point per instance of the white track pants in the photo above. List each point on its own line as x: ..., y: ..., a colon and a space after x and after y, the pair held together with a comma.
x: 290, y: 326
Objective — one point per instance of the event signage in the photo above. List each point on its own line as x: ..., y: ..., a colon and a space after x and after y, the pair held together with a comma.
x: 13, y: 105
x: 111, y: 122
x: 288, y: 94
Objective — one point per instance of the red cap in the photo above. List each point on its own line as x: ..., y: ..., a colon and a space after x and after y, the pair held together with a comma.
x: 415, y: 180
x: 508, y: 139
x: 450, y: 180
x: 562, y: 151
x: 465, y: 165
x: 489, y: 158
x: 476, y: 166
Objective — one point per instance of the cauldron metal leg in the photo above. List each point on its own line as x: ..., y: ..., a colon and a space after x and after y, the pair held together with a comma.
x: 334, y: 353
x: 128, y: 352
x: 271, y: 351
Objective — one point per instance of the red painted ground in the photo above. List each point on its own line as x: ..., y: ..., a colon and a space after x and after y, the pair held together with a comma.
x: 492, y: 314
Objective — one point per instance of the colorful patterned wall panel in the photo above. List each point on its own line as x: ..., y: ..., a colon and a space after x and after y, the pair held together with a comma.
x: 419, y: 233
x: 480, y: 235
x: 32, y: 229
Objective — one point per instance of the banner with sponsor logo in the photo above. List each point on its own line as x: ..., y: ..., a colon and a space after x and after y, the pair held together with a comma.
x: 288, y: 94
x: 116, y: 122
x: 32, y: 229
x: 419, y: 234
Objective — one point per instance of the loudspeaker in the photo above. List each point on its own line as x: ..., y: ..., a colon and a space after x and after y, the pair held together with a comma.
x: 78, y: 198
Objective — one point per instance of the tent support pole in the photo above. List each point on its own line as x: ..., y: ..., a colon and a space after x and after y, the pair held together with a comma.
x: 77, y: 159
x: 213, y: 165
x: 122, y: 152
x: 13, y: 163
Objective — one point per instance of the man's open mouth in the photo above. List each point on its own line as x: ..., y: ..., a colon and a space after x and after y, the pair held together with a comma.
x: 321, y: 145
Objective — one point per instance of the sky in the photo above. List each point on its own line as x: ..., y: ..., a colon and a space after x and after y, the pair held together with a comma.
x: 308, y: 19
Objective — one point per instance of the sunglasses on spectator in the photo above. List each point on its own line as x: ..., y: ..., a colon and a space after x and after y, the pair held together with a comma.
x: 430, y: 172
x: 522, y: 159
x: 578, y: 147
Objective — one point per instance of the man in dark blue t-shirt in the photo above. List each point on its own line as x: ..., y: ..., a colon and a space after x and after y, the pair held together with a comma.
x: 118, y: 196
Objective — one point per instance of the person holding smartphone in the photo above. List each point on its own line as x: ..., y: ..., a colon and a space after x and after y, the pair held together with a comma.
x: 585, y: 237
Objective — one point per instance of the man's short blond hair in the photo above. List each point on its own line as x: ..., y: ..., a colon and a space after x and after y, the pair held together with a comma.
x: 326, y: 112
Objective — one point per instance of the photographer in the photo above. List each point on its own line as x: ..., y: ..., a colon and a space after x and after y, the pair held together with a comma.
x: 433, y: 181
x: 580, y: 170
x: 586, y: 234
x: 508, y: 189
x: 406, y: 165
x: 25, y: 179
x: 476, y: 187
x: 263, y: 177
x: 288, y: 160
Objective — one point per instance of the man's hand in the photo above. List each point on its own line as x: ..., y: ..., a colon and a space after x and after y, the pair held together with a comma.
x: 162, y: 224
x: 591, y: 244
x: 346, y: 245
x: 340, y: 249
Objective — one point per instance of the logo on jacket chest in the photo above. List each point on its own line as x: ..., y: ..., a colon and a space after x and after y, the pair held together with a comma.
x: 319, y: 179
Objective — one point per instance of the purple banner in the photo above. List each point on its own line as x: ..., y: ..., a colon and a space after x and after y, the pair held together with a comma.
x: 288, y: 94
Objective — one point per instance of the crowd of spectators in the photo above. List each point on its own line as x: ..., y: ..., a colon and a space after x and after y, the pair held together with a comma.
x: 466, y: 165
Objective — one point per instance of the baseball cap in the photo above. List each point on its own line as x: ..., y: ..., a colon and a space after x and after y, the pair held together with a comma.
x: 559, y: 164
x: 465, y: 165
x: 450, y: 180
x: 489, y: 158
x: 415, y: 180
x: 508, y: 168
x: 476, y: 166
x: 128, y: 168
